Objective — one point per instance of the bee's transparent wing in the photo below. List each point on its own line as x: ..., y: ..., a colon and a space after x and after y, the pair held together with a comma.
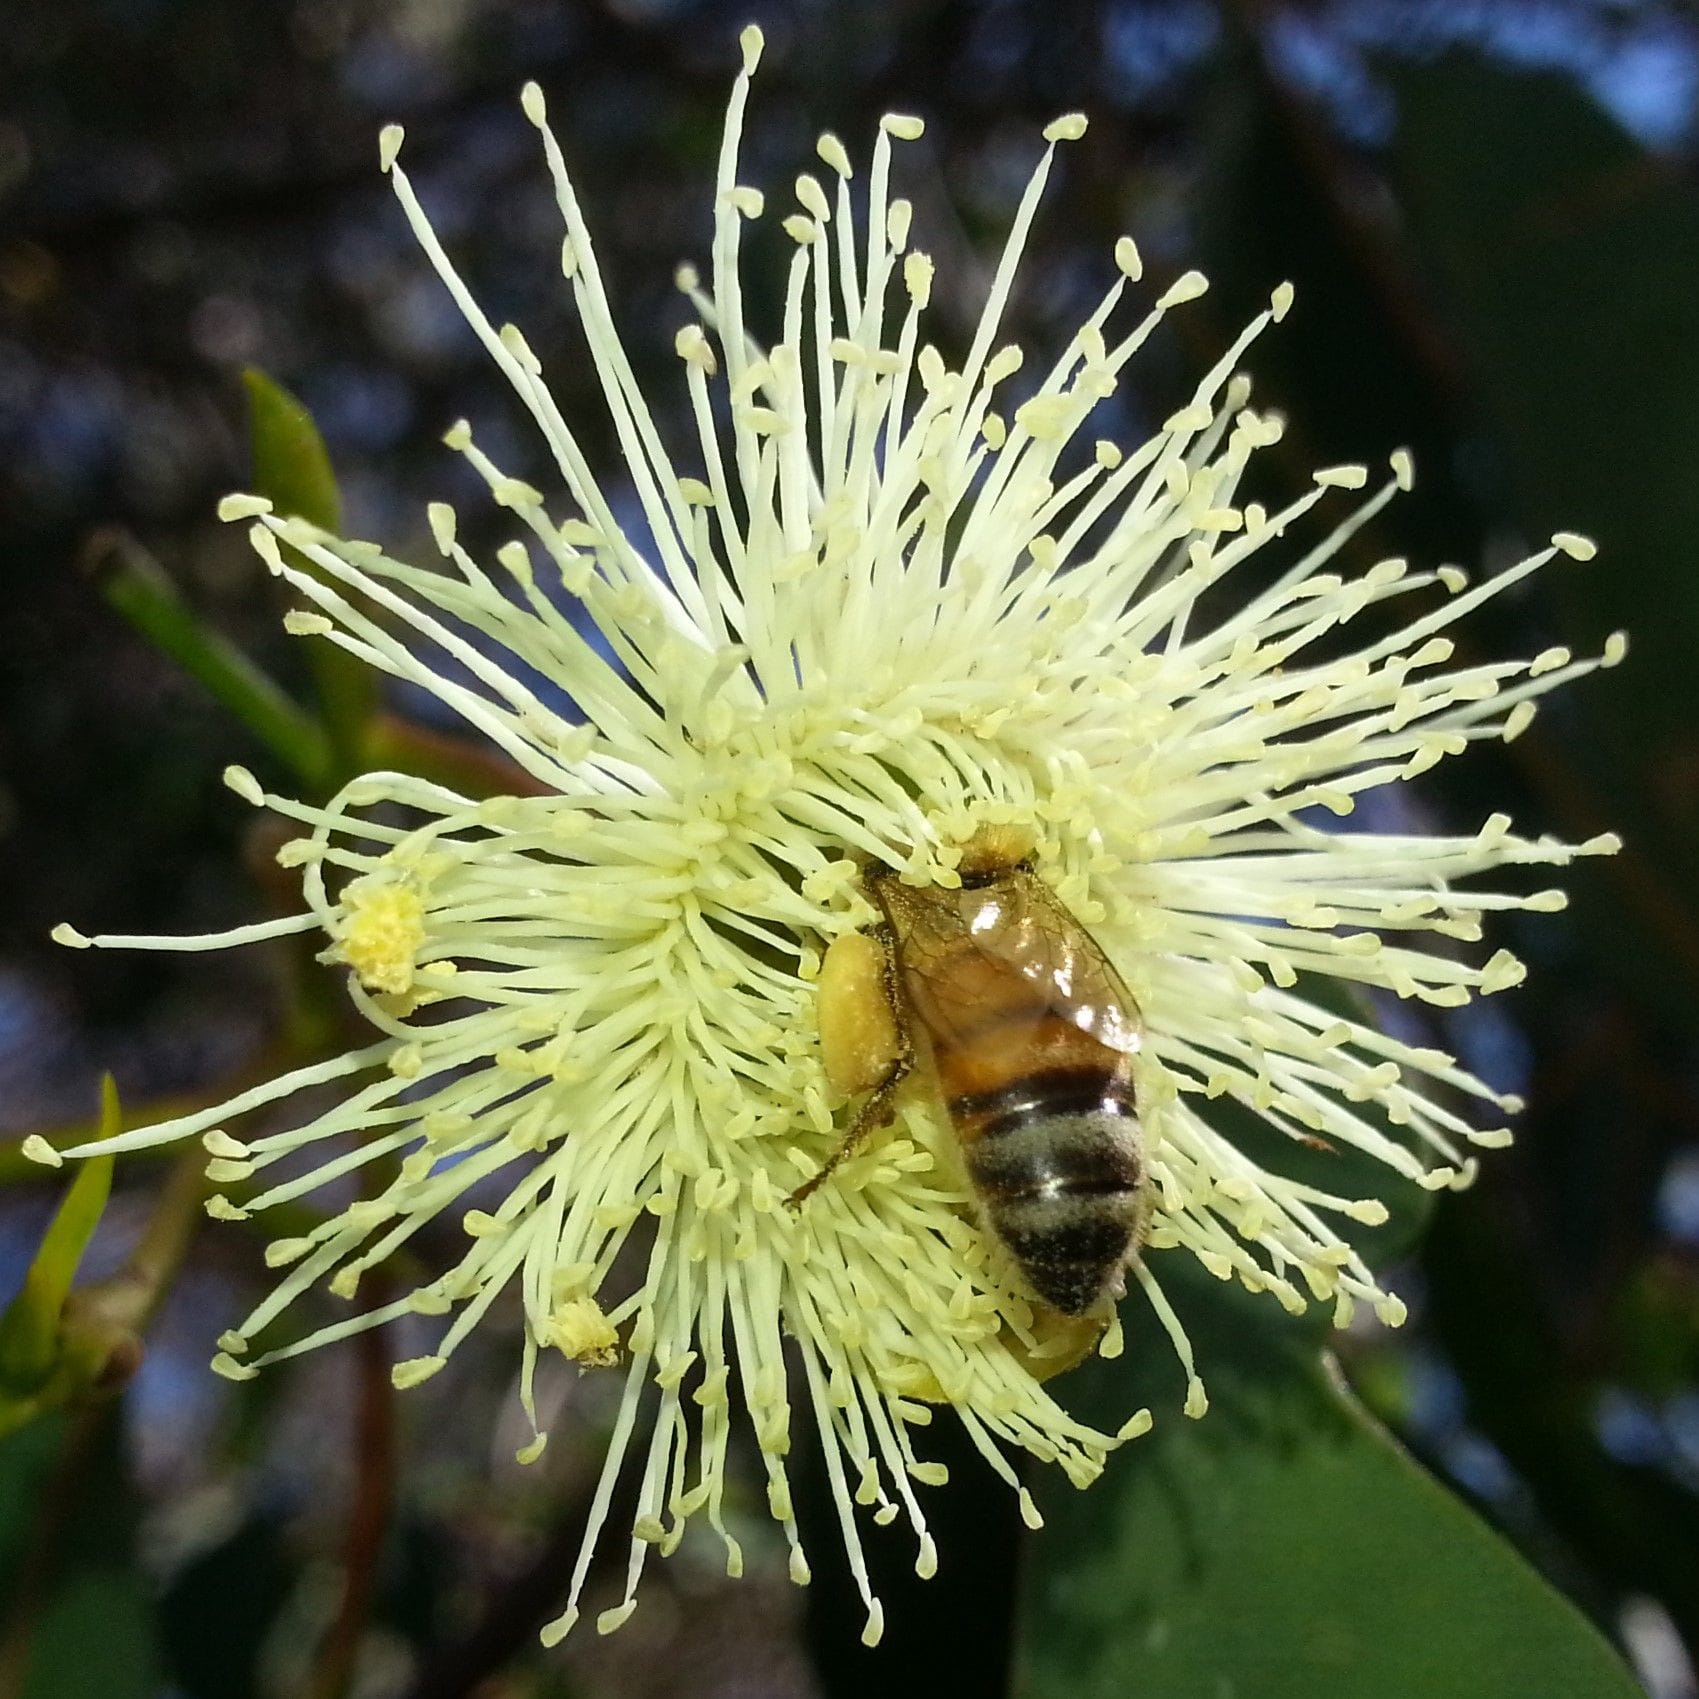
x: 957, y: 944
x: 1049, y: 948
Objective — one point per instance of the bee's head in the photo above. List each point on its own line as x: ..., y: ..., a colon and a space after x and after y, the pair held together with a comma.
x: 993, y: 851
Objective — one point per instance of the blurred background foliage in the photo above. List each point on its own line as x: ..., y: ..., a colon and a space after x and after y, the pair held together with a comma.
x: 1490, y: 212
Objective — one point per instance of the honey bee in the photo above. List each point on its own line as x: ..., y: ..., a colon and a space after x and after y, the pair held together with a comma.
x: 1002, y: 1002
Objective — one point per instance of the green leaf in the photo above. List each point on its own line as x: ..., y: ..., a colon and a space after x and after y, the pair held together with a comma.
x: 75, y: 1617
x: 1283, y: 1545
x: 292, y: 470
x: 291, y: 464
x: 94, y: 1637
x: 30, y: 1326
x: 27, y: 1461
x: 135, y: 584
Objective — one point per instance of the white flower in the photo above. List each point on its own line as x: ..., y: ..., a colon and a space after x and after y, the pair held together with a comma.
x: 881, y: 603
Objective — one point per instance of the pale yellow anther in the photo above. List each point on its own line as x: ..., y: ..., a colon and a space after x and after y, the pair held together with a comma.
x: 813, y: 198
x: 917, y: 278
x: 1045, y: 417
x: 1136, y: 1426
x: 382, y: 930
x: 441, y: 518
x: 414, y: 1371
x: 245, y: 785
x: 581, y: 1331
x: 692, y: 346
x: 1188, y: 286
x: 832, y: 151
x: 1342, y: 477
x: 264, y: 544
x: 517, y: 494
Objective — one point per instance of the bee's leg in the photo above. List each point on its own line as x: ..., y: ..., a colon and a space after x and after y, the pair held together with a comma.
x: 875, y: 1113
x: 864, y: 1045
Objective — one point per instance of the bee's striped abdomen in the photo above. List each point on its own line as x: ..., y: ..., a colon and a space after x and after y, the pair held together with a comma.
x: 1030, y: 1036
x: 1055, y: 1159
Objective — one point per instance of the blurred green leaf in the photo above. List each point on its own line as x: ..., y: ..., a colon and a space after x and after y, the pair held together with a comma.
x: 32, y: 1340
x: 291, y: 464
x: 27, y: 1459
x: 76, y: 1616
x: 29, y: 1328
x: 1283, y: 1545
x: 1564, y: 258
x: 292, y: 470
x: 135, y: 584
x: 94, y: 1638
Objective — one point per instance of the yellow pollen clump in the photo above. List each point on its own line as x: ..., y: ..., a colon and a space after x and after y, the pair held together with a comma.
x: 580, y: 1330
x: 381, y: 935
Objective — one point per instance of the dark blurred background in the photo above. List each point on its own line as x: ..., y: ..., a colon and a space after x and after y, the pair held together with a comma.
x: 1491, y: 214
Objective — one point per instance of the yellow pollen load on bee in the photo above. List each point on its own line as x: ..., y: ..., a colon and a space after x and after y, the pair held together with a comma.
x: 859, y: 1040
x: 580, y: 1330
x: 381, y: 936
